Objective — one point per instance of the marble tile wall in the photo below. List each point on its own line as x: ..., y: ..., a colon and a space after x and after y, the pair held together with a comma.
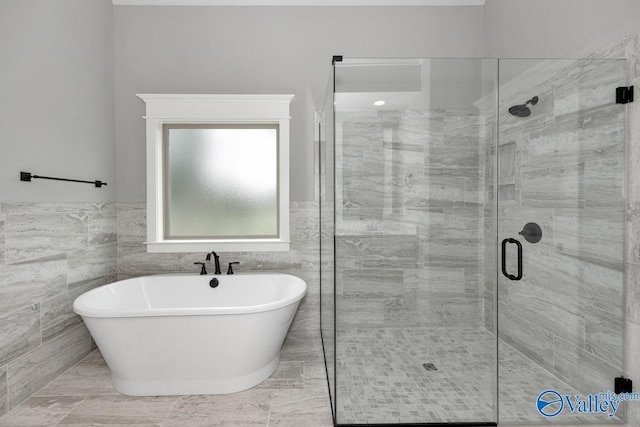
x: 408, y: 219
x: 563, y: 168
x: 49, y: 254
x: 629, y: 47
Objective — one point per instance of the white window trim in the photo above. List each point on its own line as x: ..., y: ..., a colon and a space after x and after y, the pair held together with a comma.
x: 213, y: 109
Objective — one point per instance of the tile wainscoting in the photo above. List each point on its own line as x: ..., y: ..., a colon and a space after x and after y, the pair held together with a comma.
x: 49, y: 254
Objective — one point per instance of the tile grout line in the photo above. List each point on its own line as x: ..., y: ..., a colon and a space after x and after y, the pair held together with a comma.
x: 39, y: 303
x: 269, y: 415
x: 164, y: 420
x: 3, y: 261
x: 7, y: 401
x: 71, y: 410
x: 53, y: 379
x: 117, y: 263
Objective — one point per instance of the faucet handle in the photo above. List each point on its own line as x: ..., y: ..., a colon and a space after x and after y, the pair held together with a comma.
x: 203, y: 270
x: 230, y: 269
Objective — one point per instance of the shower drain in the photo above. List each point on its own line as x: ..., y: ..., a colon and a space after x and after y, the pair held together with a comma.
x: 429, y: 366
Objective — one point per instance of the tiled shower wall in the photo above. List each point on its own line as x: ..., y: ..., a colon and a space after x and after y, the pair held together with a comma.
x: 562, y: 168
x: 50, y: 253
x: 629, y: 47
x: 408, y: 219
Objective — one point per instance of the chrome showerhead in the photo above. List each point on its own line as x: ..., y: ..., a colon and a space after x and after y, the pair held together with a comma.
x: 523, y: 110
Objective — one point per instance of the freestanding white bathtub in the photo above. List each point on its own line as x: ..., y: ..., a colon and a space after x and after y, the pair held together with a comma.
x: 174, y: 334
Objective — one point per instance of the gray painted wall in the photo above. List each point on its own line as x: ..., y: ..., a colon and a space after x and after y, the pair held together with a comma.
x: 556, y: 28
x: 56, y: 92
x: 56, y: 87
x: 264, y: 50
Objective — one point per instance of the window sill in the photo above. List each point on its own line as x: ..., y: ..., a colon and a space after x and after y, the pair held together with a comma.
x: 257, y: 245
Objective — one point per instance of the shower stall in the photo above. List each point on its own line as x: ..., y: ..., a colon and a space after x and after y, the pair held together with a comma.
x: 472, y: 240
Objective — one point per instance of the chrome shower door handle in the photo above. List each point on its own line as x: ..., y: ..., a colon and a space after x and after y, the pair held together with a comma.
x: 504, y: 259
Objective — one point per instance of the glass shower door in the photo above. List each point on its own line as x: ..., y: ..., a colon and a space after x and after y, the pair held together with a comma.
x: 561, y: 203
x: 414, y: 228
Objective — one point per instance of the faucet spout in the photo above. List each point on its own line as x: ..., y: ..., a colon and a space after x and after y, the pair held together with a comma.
x: 216, y: 260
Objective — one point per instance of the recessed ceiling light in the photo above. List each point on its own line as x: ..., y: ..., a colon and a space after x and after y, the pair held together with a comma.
x: 379, y: 103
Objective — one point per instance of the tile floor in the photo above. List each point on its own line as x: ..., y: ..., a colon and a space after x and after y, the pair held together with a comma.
x: 389, y: 362
x: 381, y: 378
x: 295, y: 395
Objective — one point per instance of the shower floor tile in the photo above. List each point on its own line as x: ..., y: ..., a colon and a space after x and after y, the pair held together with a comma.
x: 382, y: 379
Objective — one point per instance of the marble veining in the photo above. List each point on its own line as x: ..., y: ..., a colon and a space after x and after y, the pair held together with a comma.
x: 57, y: 313
x: 49, y: 254
x: 2, y: 239
x: 32, y: 236
x: 103, y: 226
x: 19, y: 333
x: 394, y: 243
x: 4, y: 400
x: 28, y: 373
x: 91, y: 262
x: 633, y: 293
x: 567, y: 312
x: 25, y: 284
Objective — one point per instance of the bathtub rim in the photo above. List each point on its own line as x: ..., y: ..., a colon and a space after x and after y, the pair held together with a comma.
x: 80, y: 306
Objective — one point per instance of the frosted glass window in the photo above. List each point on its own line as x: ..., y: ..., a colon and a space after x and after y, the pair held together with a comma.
x: 220, y: 181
